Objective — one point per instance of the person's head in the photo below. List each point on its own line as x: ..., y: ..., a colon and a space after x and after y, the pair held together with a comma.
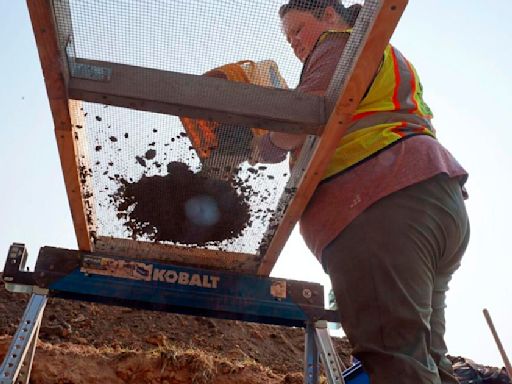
x: 303, y: 22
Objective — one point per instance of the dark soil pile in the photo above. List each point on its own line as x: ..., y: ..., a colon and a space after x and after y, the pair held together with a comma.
x: 183, y: 207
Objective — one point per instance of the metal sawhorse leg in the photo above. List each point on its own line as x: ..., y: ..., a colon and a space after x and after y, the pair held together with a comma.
x: 319, y: 344
x: 18, y: 361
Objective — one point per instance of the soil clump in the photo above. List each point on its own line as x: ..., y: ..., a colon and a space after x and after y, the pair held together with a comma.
x: 182, y: 206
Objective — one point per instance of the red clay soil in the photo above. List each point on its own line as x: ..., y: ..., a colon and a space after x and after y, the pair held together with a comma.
x: 182, y: 206
x: 84, y: 343
x: 92, y: 343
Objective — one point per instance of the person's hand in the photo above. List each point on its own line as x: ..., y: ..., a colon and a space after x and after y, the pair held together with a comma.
x: 287, y: 141
x: 263, y: 151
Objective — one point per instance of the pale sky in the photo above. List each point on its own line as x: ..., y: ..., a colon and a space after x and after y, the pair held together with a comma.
x: 462, y: 52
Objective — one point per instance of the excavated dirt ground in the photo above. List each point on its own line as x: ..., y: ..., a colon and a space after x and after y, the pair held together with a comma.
x: 92, y: 343
x: 83, y: 343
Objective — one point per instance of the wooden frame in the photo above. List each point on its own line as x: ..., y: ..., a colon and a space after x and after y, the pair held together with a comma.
x: 56, y: 78
x: 198, y: 257
x: 272, y: 109
x: 181, y: 94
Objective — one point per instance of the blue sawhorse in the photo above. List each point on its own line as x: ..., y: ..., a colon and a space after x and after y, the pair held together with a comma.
x: 152, y: 285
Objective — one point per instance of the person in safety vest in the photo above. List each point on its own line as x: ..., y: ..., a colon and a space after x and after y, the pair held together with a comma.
x: 388, y: 221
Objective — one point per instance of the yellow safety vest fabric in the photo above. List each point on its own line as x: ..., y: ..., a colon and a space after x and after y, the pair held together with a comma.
x: 392, y: 110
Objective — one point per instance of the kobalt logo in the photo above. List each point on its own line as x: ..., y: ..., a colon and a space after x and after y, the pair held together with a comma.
x: 185, y: 278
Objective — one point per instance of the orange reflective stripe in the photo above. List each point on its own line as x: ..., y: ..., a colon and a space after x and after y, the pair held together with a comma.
x: 396, y: 71
x: 398, y: 130
x: 413, y: 87
x: 403, y: 130
x: 359, y: 116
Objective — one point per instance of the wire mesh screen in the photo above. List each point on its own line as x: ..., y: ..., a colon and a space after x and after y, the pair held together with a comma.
x: 149, y: 183
x: 174, y: 180
x: 183, y: 36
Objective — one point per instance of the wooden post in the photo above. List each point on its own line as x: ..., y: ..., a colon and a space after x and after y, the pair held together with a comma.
x: 56, y: 76
x: 506, y: 361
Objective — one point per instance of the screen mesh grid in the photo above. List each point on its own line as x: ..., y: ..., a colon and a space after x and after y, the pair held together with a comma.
x: 118, y: 147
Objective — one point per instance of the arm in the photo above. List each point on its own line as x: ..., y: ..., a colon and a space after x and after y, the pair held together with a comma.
x: 286, y: 141
x: 265, y: 151
x: 315, y: 79
x: 289, y: 141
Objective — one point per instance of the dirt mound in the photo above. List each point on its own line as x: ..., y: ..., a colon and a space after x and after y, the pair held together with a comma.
x: 92, y: 343
x: 79, y: 364
x: 83, y: 343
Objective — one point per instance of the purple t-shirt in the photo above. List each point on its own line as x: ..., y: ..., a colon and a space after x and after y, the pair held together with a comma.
x: 338, y: 201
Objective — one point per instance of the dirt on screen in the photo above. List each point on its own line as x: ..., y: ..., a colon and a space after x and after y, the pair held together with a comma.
x: 182, y: 206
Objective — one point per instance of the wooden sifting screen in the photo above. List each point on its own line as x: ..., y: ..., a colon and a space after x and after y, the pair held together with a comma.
x: 123, y: 77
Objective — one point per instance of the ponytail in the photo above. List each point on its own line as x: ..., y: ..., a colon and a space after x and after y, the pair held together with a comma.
x: 349, y: 14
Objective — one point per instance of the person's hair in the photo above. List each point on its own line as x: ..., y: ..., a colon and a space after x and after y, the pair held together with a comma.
x: 317, y: 9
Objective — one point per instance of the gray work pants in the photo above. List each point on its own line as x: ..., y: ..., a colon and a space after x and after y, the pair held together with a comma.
x: 390, y: 270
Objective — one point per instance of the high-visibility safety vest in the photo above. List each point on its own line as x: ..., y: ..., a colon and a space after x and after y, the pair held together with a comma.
x: 392, y: 109
x: 264, y: 73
